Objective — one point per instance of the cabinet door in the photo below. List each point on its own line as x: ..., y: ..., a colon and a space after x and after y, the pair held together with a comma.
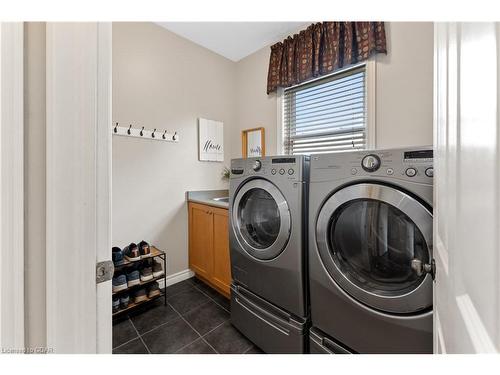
x: 221, y: 276
x: 200, y: 239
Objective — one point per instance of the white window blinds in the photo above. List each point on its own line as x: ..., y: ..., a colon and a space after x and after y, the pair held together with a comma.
x: 326, y: 115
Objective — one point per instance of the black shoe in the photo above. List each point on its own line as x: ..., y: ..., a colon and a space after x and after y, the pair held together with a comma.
x: 144, y: 249
x: 116, y: 304
x: 117, y: 256
x: 154, y: 290
x: 131, y: 252
x: 124, y: 300
x: 140, y: 295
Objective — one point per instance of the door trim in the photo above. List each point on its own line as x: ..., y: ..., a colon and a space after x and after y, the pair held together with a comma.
x: 279, y: 244
x: 417, y: 299
x: 12, y: 186
x: 104, y: 181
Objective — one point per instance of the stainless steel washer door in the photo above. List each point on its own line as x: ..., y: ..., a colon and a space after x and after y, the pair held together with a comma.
x: 261, y: 219
x: 368, y: 235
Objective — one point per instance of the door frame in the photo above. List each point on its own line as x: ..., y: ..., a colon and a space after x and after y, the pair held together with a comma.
x: 12, y: 186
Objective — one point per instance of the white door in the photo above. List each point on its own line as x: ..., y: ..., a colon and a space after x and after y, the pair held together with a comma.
x: 78, y: 184
x: 467, y: 188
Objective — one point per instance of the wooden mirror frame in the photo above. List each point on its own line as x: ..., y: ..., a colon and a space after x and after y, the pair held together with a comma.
x: 244, y: 140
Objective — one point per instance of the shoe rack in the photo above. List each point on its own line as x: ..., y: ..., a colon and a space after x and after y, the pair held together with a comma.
x: 155, y: 253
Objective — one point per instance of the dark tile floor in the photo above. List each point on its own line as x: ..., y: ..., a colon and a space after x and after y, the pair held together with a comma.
x: 195, y: 321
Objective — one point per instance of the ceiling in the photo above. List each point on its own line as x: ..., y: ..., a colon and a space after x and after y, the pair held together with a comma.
x: 234, y: 40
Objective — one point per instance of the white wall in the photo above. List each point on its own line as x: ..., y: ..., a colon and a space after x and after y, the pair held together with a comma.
x: 405, y: 86
x: 254, y: 107
x: 163, y: 81
x: 403, y: 82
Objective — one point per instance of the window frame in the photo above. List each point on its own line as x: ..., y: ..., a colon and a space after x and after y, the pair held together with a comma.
x: 370, y: 87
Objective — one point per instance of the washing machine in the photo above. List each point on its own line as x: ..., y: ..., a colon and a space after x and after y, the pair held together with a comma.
x: 268, y: 243
x: 370, y: 251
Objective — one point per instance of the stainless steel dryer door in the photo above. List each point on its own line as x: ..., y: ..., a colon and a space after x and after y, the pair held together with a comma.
x: 370, y: 237
x: 261, y: 219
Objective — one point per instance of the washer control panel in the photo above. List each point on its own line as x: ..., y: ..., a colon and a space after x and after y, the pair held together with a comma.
x: 287, y: 168
x: 411, y: 164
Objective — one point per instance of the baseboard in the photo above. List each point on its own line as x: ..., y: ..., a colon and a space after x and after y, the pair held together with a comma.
x: 176, y: 278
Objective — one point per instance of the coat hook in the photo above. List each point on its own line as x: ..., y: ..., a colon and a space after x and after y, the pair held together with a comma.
x: 128, y: 131
x: 174, y: 137
x: 141, y: 133
x: 153, y: 133
x: 116, y: 126
x: 163, y: 136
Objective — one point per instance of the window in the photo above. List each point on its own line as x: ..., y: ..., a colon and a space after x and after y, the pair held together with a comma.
x: 326, y: 115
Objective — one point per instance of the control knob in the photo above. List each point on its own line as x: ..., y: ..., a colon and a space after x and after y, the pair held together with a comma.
x: 370, y: 163
x: 257, y: 165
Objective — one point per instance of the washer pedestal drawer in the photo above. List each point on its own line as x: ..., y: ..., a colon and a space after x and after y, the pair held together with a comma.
x: 270, y: 328
x: 319, y: 343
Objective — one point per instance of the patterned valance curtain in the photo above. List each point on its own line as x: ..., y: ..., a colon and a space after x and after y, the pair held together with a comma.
x: 321, y: 49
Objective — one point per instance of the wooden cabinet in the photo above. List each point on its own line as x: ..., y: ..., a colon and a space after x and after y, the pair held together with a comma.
x: 221, y: 275
x: 209, y: 245
x: 200, y: 239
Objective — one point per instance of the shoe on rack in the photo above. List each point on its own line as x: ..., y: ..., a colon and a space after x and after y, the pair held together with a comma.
x: 117, y: 256
x: 154, y: 290
x: 133, y: 276
x: 140, y: 295
x: 116, y: 304
x: 157, y: 269
x: 146, y: 271
x: 119, y: 282
x: 132, y: 252
x: 144, y: 249
x: 124, y: 301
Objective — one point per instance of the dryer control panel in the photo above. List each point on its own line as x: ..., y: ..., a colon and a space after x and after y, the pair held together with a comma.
x: 410, y: 164
x: 287, y: 168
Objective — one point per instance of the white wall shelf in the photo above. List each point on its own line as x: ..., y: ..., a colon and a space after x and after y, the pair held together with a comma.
x: 142, y: 132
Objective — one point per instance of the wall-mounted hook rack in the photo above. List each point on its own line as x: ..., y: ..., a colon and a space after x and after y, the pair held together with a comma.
x: 142, y: 132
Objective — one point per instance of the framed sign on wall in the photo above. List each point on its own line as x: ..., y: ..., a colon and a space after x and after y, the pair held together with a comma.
x: 253, y: 142
x: 211, y: 140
